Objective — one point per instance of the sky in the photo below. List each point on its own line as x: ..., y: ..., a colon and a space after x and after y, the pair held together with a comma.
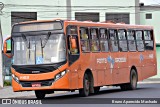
x: 150, y: 2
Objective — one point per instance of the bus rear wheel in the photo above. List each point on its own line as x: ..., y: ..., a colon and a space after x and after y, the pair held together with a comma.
x: 84, y: 92
x: 133, y: 80
x: 40, y: 94
x: 132, y: 85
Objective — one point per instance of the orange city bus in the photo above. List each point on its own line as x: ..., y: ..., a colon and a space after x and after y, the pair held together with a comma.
x: 66, y: 55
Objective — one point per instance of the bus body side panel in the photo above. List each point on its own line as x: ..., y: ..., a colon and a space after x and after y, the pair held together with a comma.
x: 150, y: 65
x: 85, y: 63
x: 124, y: 69
x: 134, y: 60
x: 102, y: 69
x: 75, y: 70
x: 99, y: 67
x: 114, y: 67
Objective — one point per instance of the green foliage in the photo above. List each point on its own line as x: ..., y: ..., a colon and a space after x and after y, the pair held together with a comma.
x: 7, y: 83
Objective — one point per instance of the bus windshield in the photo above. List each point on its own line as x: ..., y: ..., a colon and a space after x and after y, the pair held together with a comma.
x: 39, y: 49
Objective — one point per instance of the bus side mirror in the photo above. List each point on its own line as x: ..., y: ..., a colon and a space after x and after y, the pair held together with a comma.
x: 73, y: 43
x: 7, y: 47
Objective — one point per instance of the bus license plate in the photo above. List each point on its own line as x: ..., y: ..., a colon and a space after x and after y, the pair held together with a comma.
x: 36, y: 84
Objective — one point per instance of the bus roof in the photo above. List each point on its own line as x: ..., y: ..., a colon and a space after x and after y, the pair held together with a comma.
x: 94, y: 24
x: 109, y: 25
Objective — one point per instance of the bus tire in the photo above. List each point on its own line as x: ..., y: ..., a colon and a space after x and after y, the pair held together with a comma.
x: 40, y: 94
x: 132, y: 85
x: 133, y: 80
x: 84, y: 92
x: 96, y: 90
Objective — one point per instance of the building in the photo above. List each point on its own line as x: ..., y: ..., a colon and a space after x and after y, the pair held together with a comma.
x: 149, y: 15
x: 128, y: 11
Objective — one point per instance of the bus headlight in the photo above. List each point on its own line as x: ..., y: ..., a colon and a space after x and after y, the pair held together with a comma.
x: 59, y: 75
x: 15, y: 78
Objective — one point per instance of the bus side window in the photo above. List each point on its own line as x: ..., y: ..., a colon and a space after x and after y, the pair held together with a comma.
x: 103, y: 40
x: 113, y: 42
x: 94, y: 39
x: 72, y: 34
x: 148, y: 36
x: 84, y: 39
x: 131, y: 40
x: 84, y: 33
x: 122, y: 40
x: 139, y: 40
x: 94, y: 33
x: 74, y: 50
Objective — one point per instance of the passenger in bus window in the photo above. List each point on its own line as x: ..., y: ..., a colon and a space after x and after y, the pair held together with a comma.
x: 102, y: 34
x: 93, y: 34
x: 84, y: 45
x: 139, y: 35
x: 94, y: 46
x: 104, y: 45
x: 84, y: 34
x: 131, y: 35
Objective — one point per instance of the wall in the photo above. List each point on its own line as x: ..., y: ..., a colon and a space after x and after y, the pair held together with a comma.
x: 49, y: 9
x: 107, y: 6
x: 155, y: 22
x: 46, y: 9
x: 158, y: 62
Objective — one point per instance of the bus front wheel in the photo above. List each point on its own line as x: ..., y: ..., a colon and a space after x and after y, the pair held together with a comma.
x: 40, y: 94
x: 84, y: 92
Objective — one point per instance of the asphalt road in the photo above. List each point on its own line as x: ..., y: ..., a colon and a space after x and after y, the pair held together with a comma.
x: 143, y: 91
x: 105, y: 97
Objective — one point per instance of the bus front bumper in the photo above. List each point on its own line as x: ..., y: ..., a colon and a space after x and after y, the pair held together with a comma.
x: 45, y: 84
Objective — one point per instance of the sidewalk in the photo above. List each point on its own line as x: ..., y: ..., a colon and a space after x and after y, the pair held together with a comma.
x: 7, y: 91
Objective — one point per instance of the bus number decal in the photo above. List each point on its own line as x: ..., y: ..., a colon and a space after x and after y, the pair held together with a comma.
x: 24, y: 77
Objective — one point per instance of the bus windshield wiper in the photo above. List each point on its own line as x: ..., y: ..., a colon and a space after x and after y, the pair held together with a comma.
x: 46, y: 40
x: 25, y: 40
x: 41, y: 47
x: 27, y: 43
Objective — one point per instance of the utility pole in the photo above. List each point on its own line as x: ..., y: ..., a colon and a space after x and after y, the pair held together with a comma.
x: 1, y: 44
x: 69, y: 10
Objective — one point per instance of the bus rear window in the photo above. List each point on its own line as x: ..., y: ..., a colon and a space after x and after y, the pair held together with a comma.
x: 37, y: 26
x: 149, y: 43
